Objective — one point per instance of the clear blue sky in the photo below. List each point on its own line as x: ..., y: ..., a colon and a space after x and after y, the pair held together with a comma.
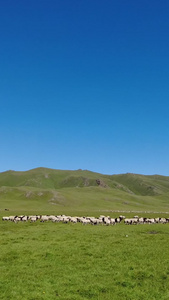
x: 85, y: 84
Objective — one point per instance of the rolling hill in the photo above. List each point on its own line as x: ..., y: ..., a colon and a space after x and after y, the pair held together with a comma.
x: 50, y: 189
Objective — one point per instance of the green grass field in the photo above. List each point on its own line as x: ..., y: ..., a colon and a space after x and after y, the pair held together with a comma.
x: 71, y: 261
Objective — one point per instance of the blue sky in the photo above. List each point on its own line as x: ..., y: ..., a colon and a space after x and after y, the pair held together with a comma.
x: 85, y: 84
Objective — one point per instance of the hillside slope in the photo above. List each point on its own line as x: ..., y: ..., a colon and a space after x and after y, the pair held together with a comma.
x: 82, y: 189
x: 55, y: 179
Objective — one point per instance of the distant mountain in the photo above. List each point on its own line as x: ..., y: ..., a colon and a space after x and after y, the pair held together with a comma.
x: 83, y: 188
x: 55, y: 179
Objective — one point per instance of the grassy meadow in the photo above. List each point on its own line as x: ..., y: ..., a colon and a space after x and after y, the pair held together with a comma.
x: 82, y: 190
x: 72, y: 261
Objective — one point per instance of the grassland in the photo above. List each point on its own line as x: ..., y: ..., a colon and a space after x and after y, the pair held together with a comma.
x: 82, y: 190
x: 71, y: 261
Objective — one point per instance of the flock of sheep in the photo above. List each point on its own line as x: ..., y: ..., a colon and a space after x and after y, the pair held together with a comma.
x: 104, y: 220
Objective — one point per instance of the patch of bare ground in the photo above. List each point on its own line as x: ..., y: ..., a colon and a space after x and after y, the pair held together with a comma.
x: 28, y: 194
x: 40, y: 194
x: 101, y: 183
x: 57, y: 199
x: 86, y: 182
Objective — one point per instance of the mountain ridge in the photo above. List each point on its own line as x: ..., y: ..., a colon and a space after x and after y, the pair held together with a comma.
x: 82, y: 189
x: 54, y: 178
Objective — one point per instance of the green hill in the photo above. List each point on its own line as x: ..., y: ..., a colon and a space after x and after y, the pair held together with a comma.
x: 51, y: 189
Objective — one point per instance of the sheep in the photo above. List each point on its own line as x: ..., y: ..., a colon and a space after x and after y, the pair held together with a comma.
x: 51, y: 217
x: 73, y: 220
x: 157, y: 220
x: 117, y: 220
x: 122, y: 217
x: 12, y: 218
x: 17, y: 219
x: 99, y: 221
x: 55, y: 219
x: 44, y: 218
x: 65, y: 220
x: 134, y: 221
x: 141, y: 221
x: 127, y: 221
x: 112, y: 221
x: 87, y: 220
x: 33, y: 219
x: 30, y: 217
x: 24, y: 218
x: 150, y: 221
x: 163, y: 220
x: 93, y: 221
x: 5, y: 218
x: 106, y: 221
x: 131, y: 221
